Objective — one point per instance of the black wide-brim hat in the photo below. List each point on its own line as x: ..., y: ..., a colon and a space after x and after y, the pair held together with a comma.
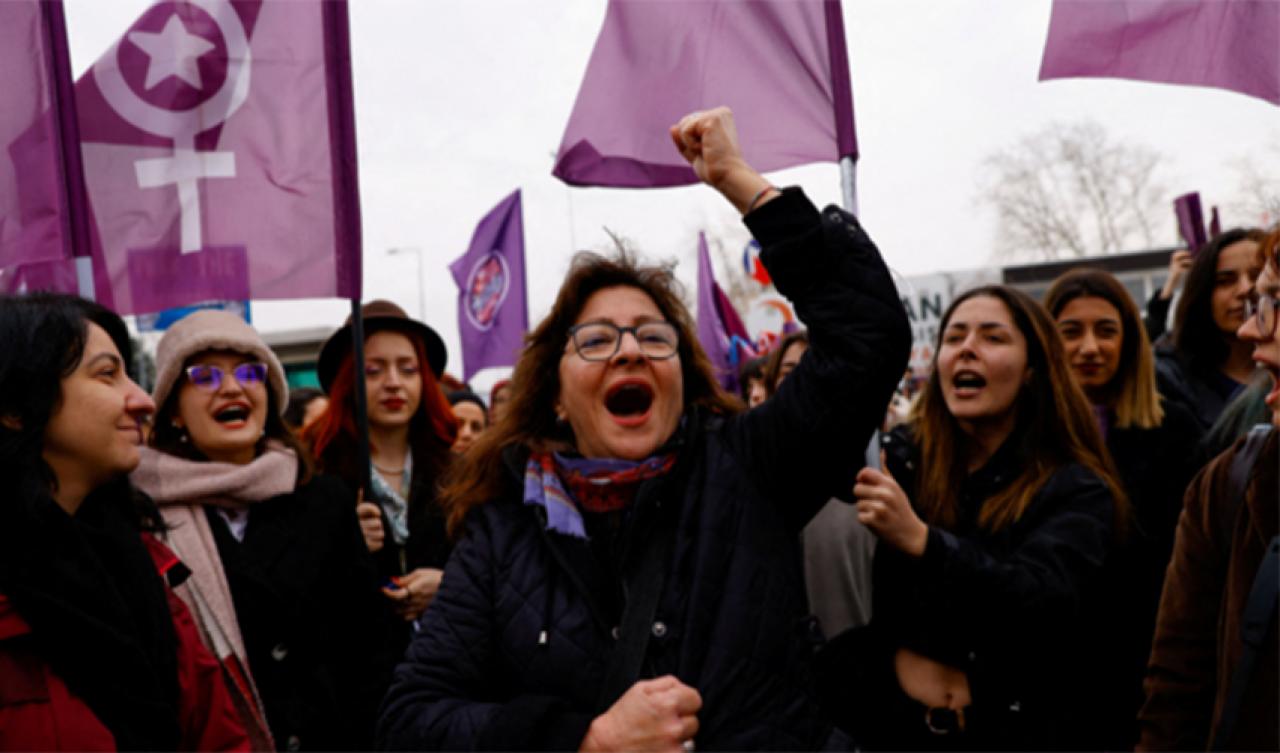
x: 379, y: 316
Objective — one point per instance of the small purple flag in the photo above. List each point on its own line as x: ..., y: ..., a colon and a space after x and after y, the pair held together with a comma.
x: 1228, y: 44
x: 781, y: 65
x: 219, y: 154
x: 1190, y: 220
x: 492, y: 316
x: 42, y: 208
x: 718, y: 322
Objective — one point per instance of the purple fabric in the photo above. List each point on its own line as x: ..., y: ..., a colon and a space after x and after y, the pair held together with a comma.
x: 218, y: 152
x: 1190, y: 220
x: 781, y: 65
x: 492, y: 316
x: 718, y: 322
x: 42, y: 211
x: 1229, y: 44
x: 543, y: 488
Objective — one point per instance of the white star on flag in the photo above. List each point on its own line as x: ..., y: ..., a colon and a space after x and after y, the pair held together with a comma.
x: 174, y: 51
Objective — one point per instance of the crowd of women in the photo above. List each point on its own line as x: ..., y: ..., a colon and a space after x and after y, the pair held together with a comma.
x: 1056, y: 547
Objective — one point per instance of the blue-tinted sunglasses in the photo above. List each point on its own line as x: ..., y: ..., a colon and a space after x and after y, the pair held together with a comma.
x: 210, y: 377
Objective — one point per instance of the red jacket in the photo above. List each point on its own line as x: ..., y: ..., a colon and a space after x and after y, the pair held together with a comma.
x: 38, y: 712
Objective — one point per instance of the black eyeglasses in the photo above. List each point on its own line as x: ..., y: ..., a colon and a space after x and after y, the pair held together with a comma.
x: 209, y: 378
x: 1264, y: 308
x: 600, y: 341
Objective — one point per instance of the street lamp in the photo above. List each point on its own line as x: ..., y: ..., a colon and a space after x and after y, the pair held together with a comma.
x: 422, y: 289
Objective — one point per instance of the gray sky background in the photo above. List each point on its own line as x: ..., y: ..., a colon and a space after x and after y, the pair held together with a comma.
x: 458, y: 102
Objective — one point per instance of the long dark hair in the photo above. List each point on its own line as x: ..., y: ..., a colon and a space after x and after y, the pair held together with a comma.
x: 530, y: 420
x: 1132, y: 390
x: 1196, y: 337
x: 773, y: 368
x: 1055, y: 425
x: 42, y: 340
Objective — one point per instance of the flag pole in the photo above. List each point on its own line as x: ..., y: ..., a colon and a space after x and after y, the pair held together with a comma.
x: 849, y: 184
x: 362, y: 398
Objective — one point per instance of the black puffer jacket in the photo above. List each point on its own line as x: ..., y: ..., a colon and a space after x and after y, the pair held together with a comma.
x: 1009, y: 608
x: 731, y: 620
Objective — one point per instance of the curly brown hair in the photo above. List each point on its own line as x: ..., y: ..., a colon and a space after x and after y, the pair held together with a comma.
x: 530, y: 420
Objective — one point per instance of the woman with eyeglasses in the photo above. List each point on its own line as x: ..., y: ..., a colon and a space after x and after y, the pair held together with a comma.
x: 1213, y: 680
x: 96, y: 652
x: 629, y: 574
x: 282, y: 586
x: 1152, y: 442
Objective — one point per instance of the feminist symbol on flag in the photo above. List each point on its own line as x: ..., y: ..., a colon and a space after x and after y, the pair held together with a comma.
x: 487, y: 288
x: 175, y: 52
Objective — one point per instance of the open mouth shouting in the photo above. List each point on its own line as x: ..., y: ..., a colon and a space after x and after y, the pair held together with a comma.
x: 233, y: 415
x: 629, y: 401
x: 967, y: 383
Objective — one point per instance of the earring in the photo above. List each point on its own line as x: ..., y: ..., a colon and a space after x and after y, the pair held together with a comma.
x: 183, y: 437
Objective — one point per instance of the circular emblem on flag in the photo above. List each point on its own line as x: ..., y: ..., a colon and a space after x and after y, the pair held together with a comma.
x: 168, y: 51
x: 487, y: 288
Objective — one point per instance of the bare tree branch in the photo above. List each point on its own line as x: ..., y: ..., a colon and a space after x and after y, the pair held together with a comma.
x: 1066, y: 183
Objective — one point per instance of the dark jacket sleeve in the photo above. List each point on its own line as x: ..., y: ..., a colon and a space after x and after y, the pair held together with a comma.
x: 1157, y: 316
x: 960, y: 599
x: 440, y: 697
x: 1182, y: 673
x: 806, y: 443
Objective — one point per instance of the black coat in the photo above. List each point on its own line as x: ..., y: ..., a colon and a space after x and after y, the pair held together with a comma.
x: 731, y: 620
x: 1204, y: 396
x: 1155, y: 467
x: 1008, y: 608
x: 308, y: 608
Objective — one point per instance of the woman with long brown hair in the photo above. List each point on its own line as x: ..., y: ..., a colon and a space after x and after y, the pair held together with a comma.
x: 628, y: 576
x: 996, y: 512
x: 1153, y: 445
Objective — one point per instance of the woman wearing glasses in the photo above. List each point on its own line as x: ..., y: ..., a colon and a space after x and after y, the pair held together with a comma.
x: 1213, y: 680
x: 629, y: 575
x: 282, y: 586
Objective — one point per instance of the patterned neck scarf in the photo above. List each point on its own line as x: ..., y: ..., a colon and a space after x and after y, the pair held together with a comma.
x: 564, y: 486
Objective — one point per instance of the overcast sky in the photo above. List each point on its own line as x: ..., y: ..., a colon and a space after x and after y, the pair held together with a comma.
x: 458, y: 102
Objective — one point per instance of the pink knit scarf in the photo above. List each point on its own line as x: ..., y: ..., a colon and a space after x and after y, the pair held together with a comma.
x: 181, y: 488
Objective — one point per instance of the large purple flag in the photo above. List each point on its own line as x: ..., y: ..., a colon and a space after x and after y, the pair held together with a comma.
x: 1228, y: 44
x: 219, y: 155
x: 781, y: 65
x: 42, y: 211
x: 718, y: 322
x: 492, y: 316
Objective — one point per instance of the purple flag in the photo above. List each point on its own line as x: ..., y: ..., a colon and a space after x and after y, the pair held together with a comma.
x: 492, y: 317
x: 42, y: 208
x: 1190, y: 220
x: 718, y: 322
x: 1228, y: 44
x: 781, y: 65
x: 219, y: 154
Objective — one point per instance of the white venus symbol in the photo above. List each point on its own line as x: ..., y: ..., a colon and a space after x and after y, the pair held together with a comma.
x: 174, y: 52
